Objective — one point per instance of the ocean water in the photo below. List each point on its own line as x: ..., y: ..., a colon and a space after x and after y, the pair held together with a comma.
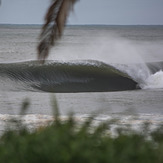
x: 111, y: 71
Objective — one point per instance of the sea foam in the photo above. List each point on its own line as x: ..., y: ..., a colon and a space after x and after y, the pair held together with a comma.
x: 154, y: 81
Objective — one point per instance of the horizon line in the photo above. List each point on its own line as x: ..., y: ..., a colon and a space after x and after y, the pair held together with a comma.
x: 87, y: 24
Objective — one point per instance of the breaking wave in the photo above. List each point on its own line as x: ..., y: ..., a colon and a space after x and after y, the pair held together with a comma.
x: 79, y: 76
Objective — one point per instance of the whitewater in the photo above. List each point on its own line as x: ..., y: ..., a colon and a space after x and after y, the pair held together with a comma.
x: 82, y: 70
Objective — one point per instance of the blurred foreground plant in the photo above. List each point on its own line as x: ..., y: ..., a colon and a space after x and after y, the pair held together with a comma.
x: 52, y: 29
x: 65, y: 141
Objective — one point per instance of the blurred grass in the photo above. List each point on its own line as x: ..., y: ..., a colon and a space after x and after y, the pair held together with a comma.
x: 65, y: 141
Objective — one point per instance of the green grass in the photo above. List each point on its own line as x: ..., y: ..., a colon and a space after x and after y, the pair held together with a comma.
x: 65, y: 141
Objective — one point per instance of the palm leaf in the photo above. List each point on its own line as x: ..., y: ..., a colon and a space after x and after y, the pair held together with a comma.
x: 52, y: 30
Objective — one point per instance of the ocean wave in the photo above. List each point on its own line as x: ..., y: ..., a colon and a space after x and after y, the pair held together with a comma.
x: 72, y: 76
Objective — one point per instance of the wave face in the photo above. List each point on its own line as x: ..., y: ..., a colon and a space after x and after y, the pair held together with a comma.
x: 80, y: 76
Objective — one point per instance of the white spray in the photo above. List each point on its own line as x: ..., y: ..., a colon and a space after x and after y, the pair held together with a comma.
x: 125, y: 55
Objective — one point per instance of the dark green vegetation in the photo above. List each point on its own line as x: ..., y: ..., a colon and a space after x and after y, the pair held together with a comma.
x: 65, y: 141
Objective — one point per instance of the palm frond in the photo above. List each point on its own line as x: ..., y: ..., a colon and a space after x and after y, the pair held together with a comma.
x: 52, y: 30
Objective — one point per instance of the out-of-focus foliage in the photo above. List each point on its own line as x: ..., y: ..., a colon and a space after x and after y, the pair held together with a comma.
x: 68, y: 141
x: 52, y: 30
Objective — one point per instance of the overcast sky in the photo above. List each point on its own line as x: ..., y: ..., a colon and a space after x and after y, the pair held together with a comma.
x: 126, y: 12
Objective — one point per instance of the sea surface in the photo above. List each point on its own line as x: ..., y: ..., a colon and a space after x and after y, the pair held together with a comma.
x: 110, y: 71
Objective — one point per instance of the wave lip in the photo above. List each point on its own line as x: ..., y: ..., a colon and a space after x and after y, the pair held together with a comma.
x: 81, y: 76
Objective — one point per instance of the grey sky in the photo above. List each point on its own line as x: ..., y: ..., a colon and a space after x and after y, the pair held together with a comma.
x: 86, y: 12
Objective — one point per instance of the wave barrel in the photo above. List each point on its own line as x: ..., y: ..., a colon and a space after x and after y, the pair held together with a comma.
x: 67, y: 77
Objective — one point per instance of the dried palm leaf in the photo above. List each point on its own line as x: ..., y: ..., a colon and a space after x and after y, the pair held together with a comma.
x: 52, y: 30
